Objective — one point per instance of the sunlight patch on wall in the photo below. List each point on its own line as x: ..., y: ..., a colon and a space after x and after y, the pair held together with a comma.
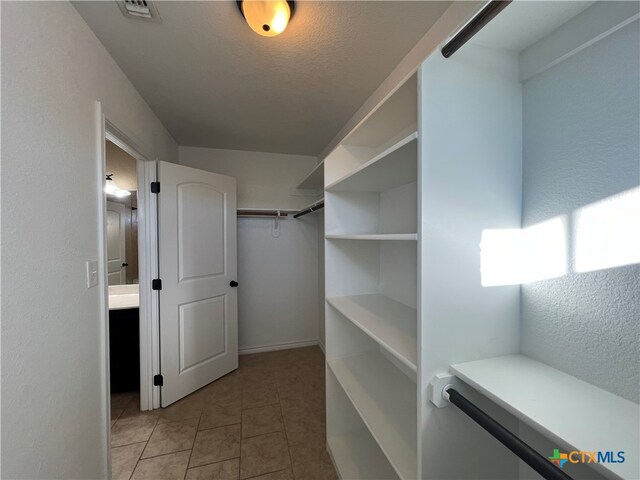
x: 516, y: 256
x: 607, y: 233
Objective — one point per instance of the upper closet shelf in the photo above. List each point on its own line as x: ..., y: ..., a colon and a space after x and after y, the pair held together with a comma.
x: 395, y: 166
x: 315, y: 179
x: 577, y: 415
x: 394, y: 115
x: 391, y: 324
x: 374, y: 236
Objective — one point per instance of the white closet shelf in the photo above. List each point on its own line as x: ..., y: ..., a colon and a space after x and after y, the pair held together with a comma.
x: 262, y: 209
x: 353, y: 457
x: 395, y: 166
x: 574, y: 413
x: 392, y: 115
x: 315, y: 179
x: 385, y: 399
x: 374, y: 236
x: 391, y: 324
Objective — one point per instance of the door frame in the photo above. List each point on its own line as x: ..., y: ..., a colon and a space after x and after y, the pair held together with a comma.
x: 146, y: 169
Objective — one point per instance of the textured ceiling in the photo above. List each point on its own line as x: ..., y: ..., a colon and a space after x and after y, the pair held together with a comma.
x: 215, y: 83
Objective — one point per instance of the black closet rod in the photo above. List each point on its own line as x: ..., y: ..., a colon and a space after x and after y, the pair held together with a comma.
x: 262, y: 213
x: 312, y: 208
x: 476, y: 24
x: 532, y: 458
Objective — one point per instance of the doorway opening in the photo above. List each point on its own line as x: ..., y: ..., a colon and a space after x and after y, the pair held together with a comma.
x: 121, y: 189
x: 130, y: 263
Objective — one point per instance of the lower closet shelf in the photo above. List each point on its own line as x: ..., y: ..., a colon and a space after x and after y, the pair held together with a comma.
x: 385, y: 399
x: 390, y: 323
x: 575, y: 414
x: 352, y: 455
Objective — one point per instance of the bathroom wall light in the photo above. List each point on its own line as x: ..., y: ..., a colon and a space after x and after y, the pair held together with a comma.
x: 110, y: 188
x: 267, y: 17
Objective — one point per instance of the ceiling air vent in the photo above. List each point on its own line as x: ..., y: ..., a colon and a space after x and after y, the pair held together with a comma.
x: 139, y: 9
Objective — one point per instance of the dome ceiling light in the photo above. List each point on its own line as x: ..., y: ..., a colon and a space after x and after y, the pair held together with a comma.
x: 110, y: 188
x: 267, y: 17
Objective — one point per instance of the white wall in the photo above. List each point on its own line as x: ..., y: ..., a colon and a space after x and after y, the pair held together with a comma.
x: 581, y: 124
x: 265, y: 180
x: 278, y: 295
x: 278, y: 292
x: 580, y: 144
x: 469, y: 180
x: 53, y: 380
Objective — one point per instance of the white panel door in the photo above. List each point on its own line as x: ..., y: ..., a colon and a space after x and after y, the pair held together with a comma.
x: 198, y: 267
x: 116, y: 243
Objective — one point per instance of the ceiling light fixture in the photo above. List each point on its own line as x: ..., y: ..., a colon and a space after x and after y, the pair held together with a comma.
x: 267, y: 17
x: 110, y: 188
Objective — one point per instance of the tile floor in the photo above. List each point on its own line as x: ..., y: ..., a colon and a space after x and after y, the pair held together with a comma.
x: 264, y: 421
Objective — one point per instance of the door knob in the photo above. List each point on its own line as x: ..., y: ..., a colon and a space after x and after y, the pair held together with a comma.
x: 233, y: 283
x: 125, y: 264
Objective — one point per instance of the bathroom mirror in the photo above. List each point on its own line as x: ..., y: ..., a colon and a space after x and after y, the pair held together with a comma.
x: 122, y: 216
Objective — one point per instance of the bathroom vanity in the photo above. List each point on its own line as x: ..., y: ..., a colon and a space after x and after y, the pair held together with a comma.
x: 124, y: 338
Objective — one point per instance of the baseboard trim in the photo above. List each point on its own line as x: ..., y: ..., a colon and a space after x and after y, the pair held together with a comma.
x: 280, y: 346
x: 321, y: 345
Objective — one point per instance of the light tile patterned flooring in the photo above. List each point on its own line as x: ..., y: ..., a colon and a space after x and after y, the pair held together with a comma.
x: 264, y: 421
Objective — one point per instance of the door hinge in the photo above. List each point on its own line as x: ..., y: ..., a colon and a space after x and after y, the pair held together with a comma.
x: 155, y: 187
x: 156, y: 284
x: 158, y: 381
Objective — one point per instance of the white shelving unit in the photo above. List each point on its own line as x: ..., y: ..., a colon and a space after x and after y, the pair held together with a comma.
x: 386, y: 402
x: 354, y: 451
x: 557, y: 404
x: 409, y: 195
x: 371, y: 317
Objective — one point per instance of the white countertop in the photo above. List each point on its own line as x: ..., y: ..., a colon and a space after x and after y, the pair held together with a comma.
x: 123, y: 296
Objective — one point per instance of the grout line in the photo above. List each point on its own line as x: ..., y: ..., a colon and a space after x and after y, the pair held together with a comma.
x: 193, y: 444
x: 124, y: 409
x: 145, y: 446
x: 204, y: 429
x: 119, y: 415
x: 242, y: 386
x: 129, y: 444
x: 267, y: 433
x: 164, y: 454
x: 284, y: 427
x: 265, y: 473
x: 213, y: 463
